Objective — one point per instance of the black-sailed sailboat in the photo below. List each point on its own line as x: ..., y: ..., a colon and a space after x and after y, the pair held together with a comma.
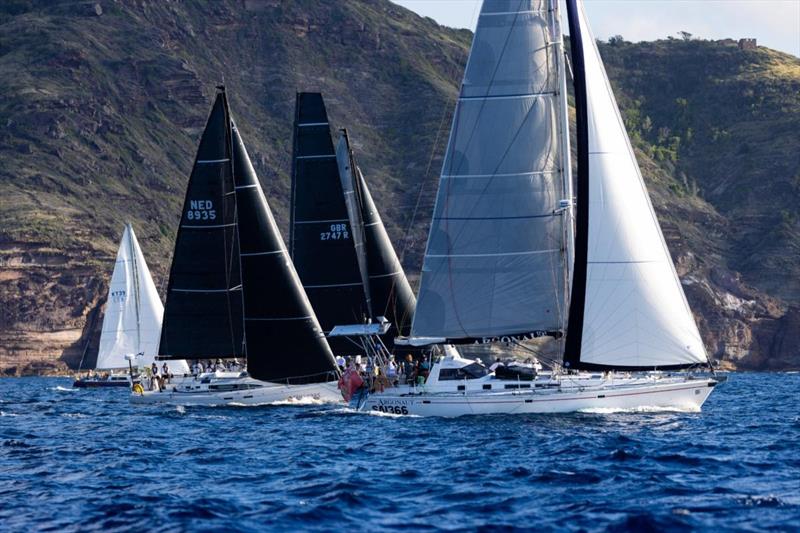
x: 339, y: 244
x: 233, y: 292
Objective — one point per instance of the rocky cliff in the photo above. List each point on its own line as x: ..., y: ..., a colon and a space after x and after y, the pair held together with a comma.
x: 104, y: 102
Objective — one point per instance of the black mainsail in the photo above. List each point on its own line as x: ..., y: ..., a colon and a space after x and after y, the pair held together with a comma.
x: 321, y: 237
x: 203, y: 311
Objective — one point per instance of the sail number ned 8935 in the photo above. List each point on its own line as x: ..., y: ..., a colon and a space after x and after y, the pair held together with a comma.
x: 201, y: 210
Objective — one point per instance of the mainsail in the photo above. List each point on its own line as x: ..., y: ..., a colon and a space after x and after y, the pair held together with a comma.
x: 321, y: 239
x: 284, y: 342
x: 497, y: 252
x: 628, y: 308
x: 386, y: 282
x: 203, y: 312
x: 132, y: 321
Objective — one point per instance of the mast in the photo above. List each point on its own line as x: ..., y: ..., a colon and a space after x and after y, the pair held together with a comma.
x: 565, y: 158
x: 355, y: 205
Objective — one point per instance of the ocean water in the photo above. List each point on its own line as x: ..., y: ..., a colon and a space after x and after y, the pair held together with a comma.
x: 88, y: 460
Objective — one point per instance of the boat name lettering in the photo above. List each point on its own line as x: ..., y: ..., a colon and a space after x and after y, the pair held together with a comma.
x: 201, y: 210
x: 337, y: 232
x: 512, y: 338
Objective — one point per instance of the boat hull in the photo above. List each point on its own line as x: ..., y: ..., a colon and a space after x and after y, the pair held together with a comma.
x: 686, y: 395
x: 266, y: 393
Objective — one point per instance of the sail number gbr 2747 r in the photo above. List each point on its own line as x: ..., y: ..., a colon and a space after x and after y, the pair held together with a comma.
x: 336, y: 232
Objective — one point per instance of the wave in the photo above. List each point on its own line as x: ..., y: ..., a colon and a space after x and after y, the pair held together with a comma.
x: 59, y: 388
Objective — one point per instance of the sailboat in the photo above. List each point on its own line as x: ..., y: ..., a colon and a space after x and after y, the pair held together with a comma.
x: 233, y: 293
x: 338, y: 242
x: 132, y: 321
x: 512, y: 256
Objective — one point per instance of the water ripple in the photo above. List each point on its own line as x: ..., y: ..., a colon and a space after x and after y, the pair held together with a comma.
x: 73, y: 460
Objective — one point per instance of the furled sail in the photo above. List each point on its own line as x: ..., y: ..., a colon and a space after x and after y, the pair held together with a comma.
x: 132, y: 321
x: 628, y: 308
x: 284, y: 342
x: 496, y: 251
x: 321, y: 240
x: 390, y: 292
x: 203, y: 312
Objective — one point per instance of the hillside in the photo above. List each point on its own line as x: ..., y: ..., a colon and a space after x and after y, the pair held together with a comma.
x: 104, y: 102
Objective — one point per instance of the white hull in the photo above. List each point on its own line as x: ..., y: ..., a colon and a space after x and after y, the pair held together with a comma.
x: 238, y: 391
x: 683, y: 394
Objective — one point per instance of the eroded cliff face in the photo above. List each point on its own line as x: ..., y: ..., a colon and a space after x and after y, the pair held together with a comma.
x: 104, y: 103
x: 51, y: 301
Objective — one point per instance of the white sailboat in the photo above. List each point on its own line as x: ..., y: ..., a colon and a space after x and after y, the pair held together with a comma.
x: 132, y: 321
x: 502, y: 263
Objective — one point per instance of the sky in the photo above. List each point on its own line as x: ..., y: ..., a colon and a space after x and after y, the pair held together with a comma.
x: 775, y: 23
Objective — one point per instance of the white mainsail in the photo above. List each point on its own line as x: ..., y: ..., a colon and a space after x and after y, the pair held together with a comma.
x: 636, y: 314
x: 496, y: 254
x: 132, y: 322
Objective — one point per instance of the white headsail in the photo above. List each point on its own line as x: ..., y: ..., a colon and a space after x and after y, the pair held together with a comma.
x: 132, y: 322
x: 636, y: 314
x: 496, y: 257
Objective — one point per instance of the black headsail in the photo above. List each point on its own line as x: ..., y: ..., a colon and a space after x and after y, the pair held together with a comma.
x: 284, y: 341
x: 203, y: 311
x: 390, y: 292
x: 321, y: 241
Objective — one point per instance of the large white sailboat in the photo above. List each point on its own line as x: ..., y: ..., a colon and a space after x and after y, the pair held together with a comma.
x: 233, y: 292
x: 132, y: 321
x: 513, y: 255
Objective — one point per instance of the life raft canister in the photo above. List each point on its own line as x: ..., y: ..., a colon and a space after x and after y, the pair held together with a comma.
x: 138, y: 389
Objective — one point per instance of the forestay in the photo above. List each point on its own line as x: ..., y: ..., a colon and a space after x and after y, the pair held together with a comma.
x: 495, y: 257
x: 635, y: 314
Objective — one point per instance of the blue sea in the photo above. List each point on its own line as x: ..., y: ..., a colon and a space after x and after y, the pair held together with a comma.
x: 88, y: 460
